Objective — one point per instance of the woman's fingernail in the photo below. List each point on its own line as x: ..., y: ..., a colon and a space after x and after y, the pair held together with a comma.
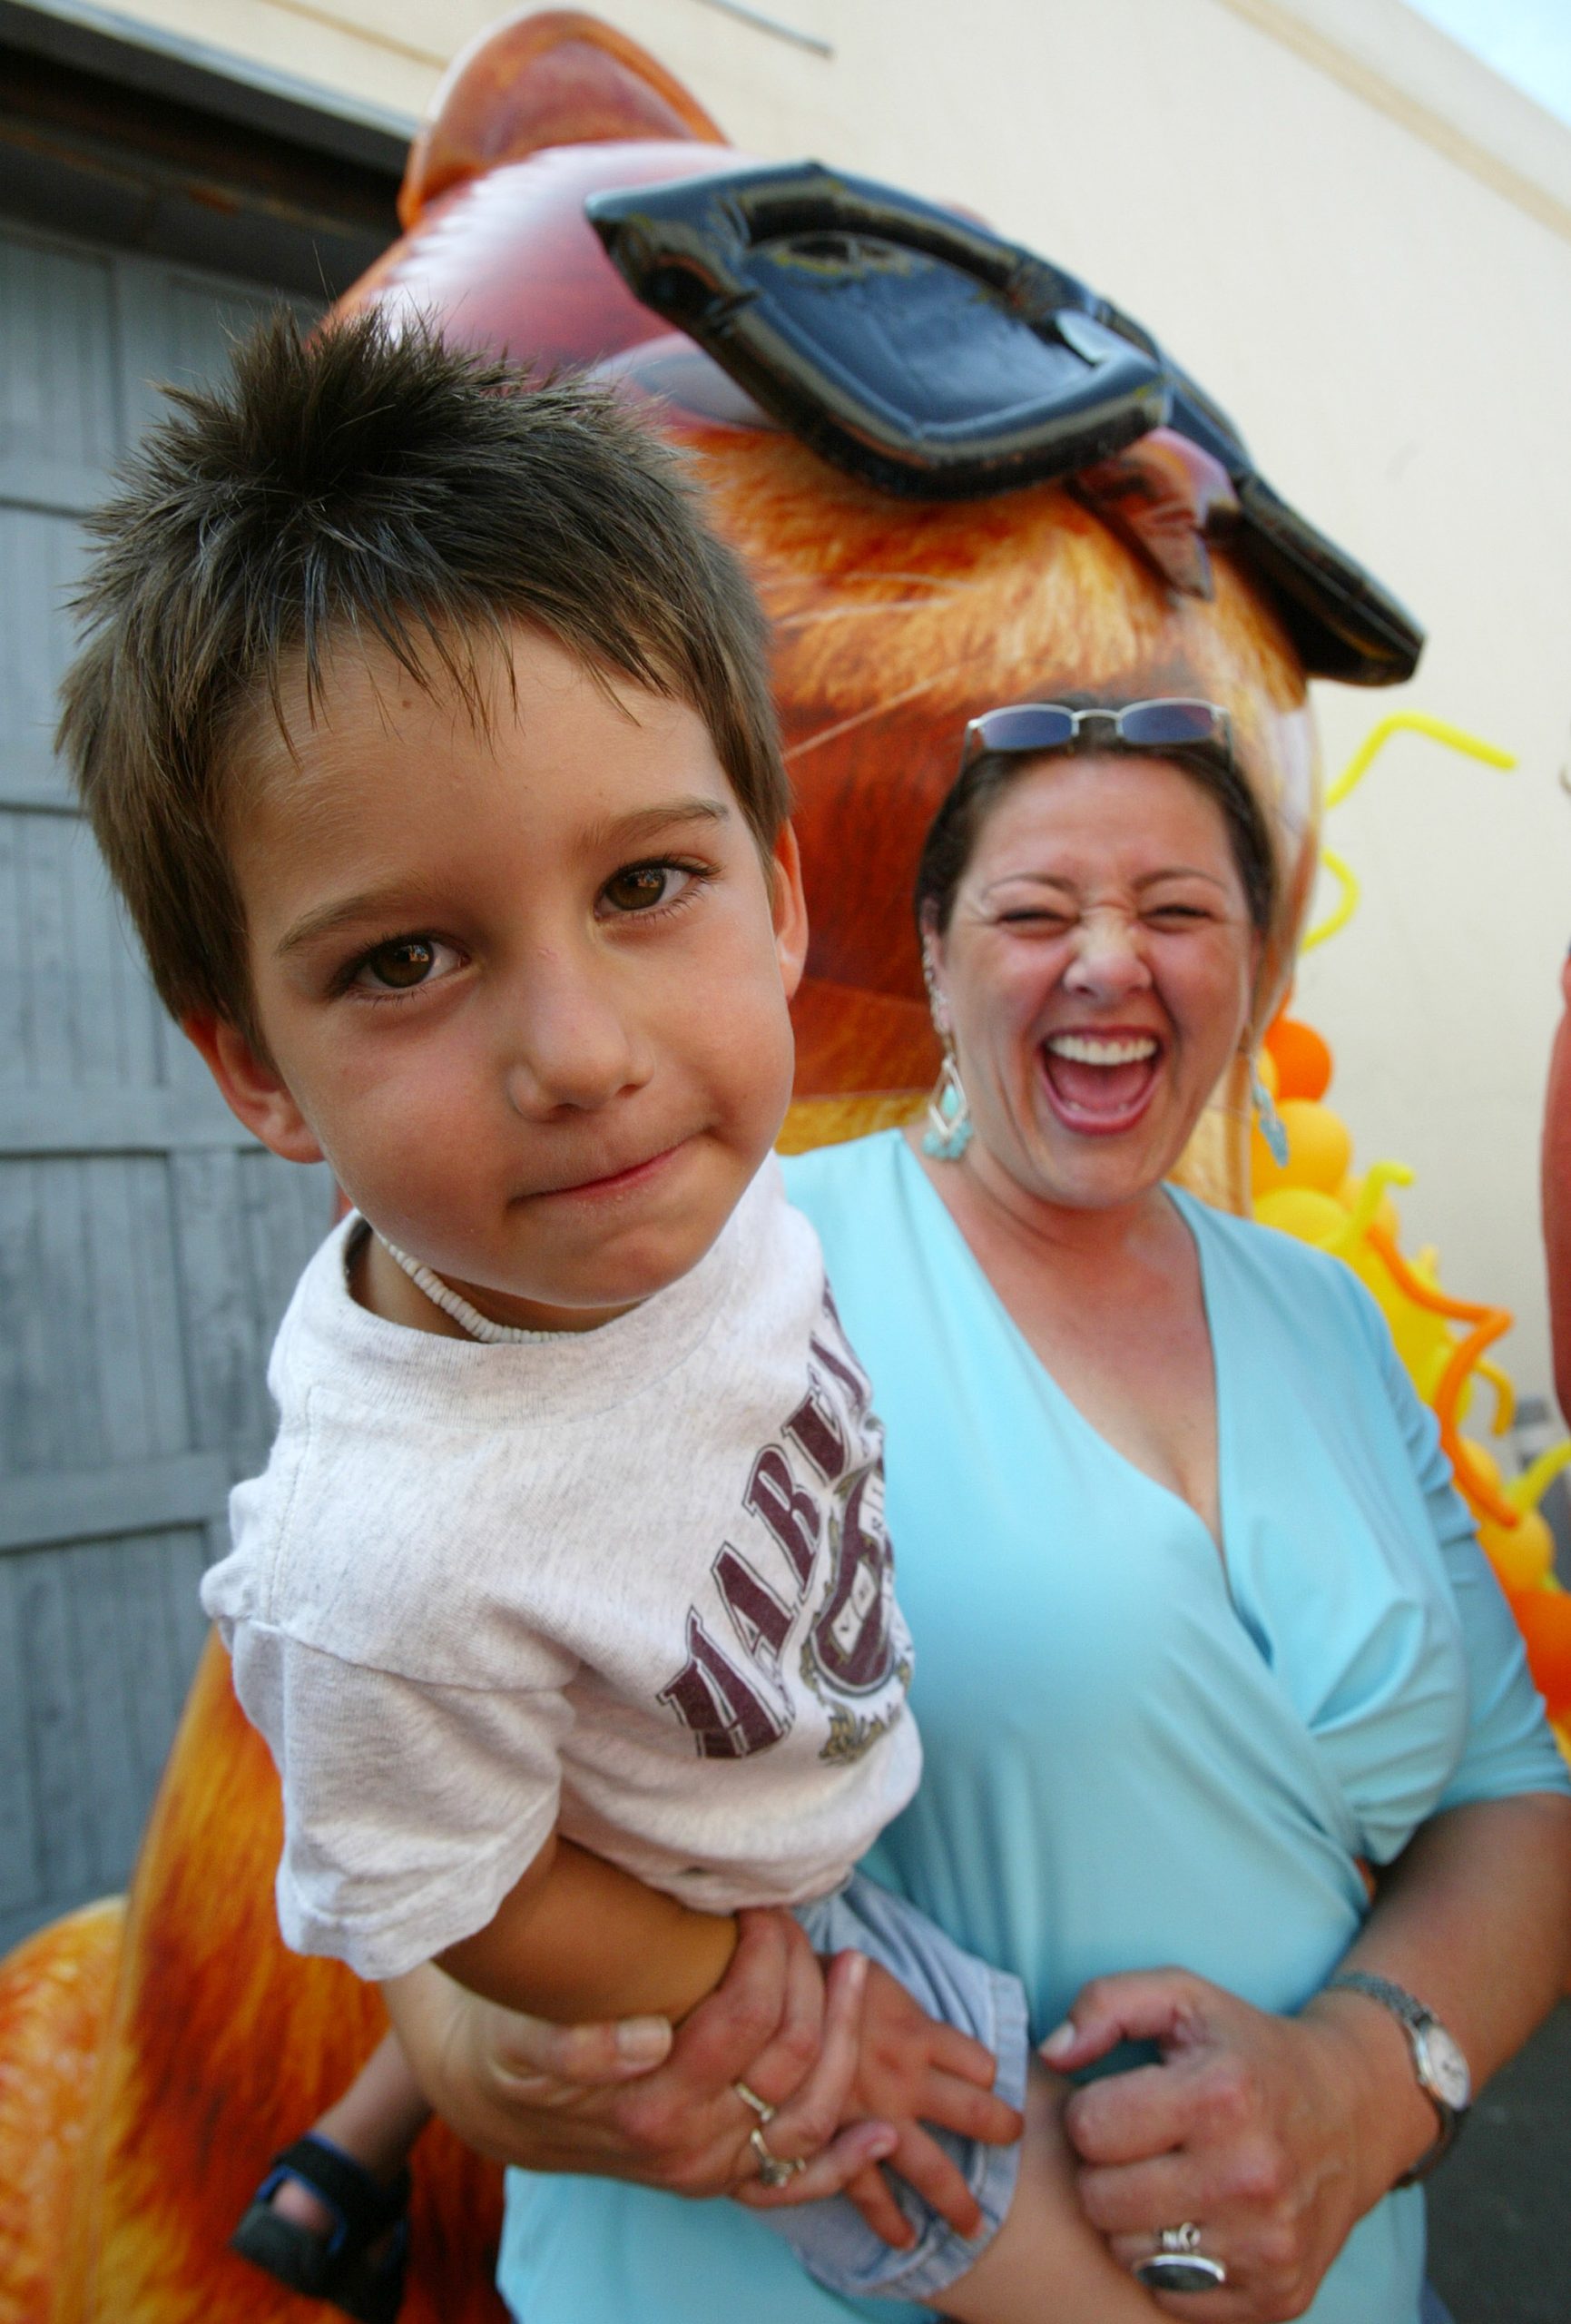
x: 642, y: 2041
x: 882, y: 2145
x: 1060, y: 2042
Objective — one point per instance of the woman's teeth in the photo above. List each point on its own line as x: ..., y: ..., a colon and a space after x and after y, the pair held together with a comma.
x: 1085, y: 1049
x: 1101, y: 1079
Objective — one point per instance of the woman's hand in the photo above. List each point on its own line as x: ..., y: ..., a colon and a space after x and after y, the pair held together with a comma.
x: 638, y: 2102
x: 911, y: 2070
x: 1273, y: 2135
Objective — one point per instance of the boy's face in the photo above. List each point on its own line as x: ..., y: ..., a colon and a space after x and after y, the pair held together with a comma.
x: 523, y: 986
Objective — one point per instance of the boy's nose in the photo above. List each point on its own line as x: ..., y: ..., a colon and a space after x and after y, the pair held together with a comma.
x: 568, y: 1043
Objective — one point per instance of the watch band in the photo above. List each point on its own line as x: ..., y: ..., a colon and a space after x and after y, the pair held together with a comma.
x: 1417, y: 2023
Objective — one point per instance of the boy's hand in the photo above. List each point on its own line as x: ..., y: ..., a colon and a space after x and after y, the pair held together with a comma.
x: 912, y: 2070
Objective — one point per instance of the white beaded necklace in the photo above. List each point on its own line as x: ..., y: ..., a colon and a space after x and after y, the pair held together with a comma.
x: 468, y: 1318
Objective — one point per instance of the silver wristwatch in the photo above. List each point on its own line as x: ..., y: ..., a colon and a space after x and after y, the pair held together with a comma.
x: 1438, y: 2061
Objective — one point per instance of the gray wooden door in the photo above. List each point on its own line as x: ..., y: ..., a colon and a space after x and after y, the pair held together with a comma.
x: 147, y: 1244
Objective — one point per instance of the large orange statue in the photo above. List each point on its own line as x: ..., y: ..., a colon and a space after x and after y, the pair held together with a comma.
x: 153, y: 2056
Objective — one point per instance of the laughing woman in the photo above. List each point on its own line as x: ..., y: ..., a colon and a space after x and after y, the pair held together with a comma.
x: 1211, y: 1670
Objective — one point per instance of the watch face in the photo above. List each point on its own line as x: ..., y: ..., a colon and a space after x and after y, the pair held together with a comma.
x: 1445, y: 2069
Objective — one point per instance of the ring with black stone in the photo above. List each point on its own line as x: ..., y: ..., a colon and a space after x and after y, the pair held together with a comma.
x: 1178, y: 2264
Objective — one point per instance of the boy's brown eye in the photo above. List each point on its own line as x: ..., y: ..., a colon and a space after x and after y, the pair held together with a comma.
x: 640, y: 887
x: 409, y: 961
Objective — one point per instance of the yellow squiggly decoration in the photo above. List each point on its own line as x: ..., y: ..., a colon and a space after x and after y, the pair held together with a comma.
x: 1399, y: 722
x: 1411, y: 721
x: 1342, y: 911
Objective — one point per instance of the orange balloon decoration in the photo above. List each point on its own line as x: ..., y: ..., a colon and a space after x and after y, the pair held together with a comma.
x: 1523, y: 1555
x: 1310, y: 1196
x: 1490, y: 1325
x: 1545, y: 1616
x: 1320, y: 1149
x: 1302, y: 1060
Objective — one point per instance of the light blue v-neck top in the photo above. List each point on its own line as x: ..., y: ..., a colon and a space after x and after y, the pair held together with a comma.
x: 1138, y: 1752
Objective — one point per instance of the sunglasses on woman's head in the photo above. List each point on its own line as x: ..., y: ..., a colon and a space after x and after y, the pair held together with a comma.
x: 1170, y: 723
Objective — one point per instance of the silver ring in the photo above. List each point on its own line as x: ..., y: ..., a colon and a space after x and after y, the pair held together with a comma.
x: 1178, y: 2264
x: 761, y: 2106
x: 773, y: 2170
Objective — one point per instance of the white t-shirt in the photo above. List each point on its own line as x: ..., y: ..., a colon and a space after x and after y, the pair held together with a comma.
x: 634, y: 1582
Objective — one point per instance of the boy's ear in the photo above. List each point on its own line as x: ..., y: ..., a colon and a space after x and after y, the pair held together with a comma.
x: 788, y: 907
x: 252, y: 1088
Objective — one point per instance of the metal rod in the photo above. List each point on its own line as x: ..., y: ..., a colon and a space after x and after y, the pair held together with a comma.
x: 761, y: 23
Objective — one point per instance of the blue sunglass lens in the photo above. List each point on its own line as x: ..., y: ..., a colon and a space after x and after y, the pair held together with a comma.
x: 1031, y: 726
x: 1155, y: 724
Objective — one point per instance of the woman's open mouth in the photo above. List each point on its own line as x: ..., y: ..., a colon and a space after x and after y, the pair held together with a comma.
x: 1098, y: 1084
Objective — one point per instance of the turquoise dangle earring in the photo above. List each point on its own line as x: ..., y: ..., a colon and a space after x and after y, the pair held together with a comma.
x: 950, y: 1123
x: 1273, y: 1128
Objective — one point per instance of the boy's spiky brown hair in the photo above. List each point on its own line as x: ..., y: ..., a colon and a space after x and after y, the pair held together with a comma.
x: 381, y: 485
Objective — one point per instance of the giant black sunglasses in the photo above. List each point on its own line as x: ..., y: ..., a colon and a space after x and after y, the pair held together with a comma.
x: 933, y: 358
x: 1167, y: 722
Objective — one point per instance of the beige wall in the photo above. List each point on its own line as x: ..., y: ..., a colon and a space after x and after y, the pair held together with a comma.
x: 1361, y: 245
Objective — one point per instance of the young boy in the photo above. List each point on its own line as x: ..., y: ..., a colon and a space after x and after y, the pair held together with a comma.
x: 425, y: 731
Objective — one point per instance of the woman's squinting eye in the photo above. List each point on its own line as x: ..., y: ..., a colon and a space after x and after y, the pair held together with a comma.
x: 1050, y: 918
x: 402, y: 963
x: 644, y: 886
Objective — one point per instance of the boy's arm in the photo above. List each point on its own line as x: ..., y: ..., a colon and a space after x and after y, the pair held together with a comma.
x: 578, y: 1939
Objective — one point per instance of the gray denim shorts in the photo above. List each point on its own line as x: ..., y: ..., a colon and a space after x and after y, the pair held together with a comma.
x: 831, y: 2238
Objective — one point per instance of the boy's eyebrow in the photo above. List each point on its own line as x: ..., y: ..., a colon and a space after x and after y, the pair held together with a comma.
x: 371, y: 904
x: 647, y: 822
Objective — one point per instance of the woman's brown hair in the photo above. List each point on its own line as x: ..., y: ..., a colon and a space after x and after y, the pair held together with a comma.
x: 953, y: 833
